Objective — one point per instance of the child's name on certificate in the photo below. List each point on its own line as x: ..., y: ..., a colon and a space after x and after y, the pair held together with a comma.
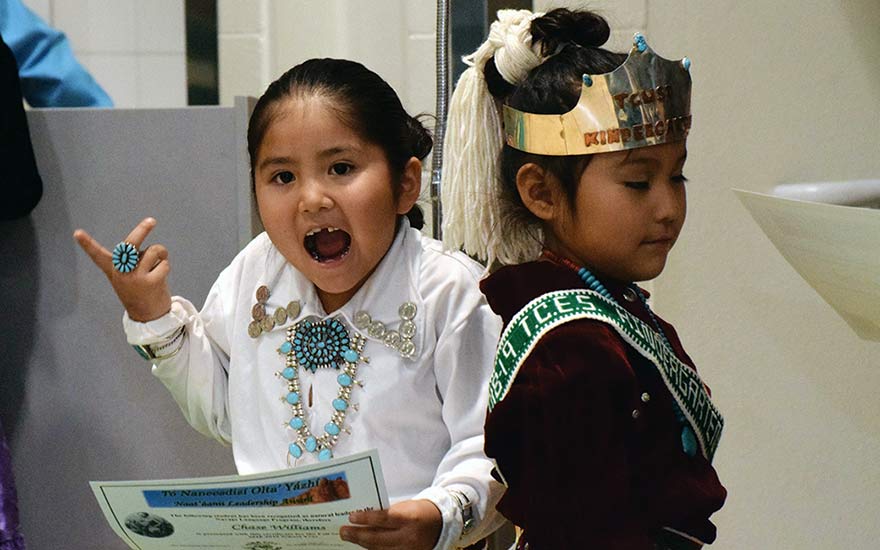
x: 298, y: 508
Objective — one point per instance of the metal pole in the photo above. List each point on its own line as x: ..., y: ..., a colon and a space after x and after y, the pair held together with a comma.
x: 442, y: 101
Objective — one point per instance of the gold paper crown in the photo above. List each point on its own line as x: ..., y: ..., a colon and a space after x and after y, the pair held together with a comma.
x: 645, y: 101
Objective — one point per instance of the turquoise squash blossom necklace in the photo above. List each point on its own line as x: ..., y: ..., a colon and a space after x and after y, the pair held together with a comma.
x: 312, y: 344
x: 688, y: 437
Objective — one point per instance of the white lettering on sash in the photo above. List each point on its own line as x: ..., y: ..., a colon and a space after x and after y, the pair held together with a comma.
x: 507, y: 351
x: 585, y: 302
x: 537, y: 313
x: 562, y: 304
x: 524, y: 324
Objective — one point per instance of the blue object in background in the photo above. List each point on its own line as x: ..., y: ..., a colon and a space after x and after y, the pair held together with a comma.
x: 50, y: 74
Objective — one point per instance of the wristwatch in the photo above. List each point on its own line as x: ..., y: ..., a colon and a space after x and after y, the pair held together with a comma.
x: 467, y: 512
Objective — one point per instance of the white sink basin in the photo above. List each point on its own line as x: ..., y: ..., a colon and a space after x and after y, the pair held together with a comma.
x: 863, y: 193
x: 834, y: 247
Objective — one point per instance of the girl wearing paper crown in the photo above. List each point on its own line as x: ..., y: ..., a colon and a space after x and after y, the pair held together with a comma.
x: 599, y: 424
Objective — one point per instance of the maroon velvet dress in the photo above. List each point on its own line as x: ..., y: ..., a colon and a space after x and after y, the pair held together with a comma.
x: 587, y: 438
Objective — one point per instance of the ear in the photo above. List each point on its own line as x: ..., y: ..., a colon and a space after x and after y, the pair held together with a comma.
x: 410, y: 185
x: 538, y: 193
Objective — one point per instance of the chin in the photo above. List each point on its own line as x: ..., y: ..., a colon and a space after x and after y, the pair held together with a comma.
x: 647, y: 275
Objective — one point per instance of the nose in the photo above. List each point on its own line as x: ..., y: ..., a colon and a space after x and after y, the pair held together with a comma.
x: 670, y: 202
x: 313, y: 197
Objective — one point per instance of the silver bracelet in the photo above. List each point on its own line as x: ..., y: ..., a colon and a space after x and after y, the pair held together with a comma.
x: 160, y: 351
x: 467, y: 513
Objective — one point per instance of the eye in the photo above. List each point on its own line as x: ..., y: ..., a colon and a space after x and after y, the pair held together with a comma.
x: 341, y: 168
x: 679, y: 178
x: 283, y: 178
x: 640, y: 185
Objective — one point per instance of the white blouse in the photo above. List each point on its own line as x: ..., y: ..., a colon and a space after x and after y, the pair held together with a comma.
x: 424, y: 414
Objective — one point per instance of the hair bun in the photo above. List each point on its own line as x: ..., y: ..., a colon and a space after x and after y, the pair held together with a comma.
x: 561, y: 26
x: 419, y: 138
x: 498, y: 87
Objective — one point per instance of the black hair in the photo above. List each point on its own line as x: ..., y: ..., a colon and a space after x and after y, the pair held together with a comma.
x: 364, y: 102
x: 554, y: 88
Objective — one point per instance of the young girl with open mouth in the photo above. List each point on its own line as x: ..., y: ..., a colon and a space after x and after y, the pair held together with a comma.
x: 339, y: 329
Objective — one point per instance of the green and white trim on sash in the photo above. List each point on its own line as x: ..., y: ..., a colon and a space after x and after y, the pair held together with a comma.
x: 555, y: 308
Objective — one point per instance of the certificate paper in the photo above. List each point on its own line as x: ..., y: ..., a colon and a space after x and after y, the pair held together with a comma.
x: 298, y: 508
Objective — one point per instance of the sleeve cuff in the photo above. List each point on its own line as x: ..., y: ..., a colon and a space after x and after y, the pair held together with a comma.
x: 157, y: 330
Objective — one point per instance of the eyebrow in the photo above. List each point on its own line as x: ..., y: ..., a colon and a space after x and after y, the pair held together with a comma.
x: 650, y: 161
x: 272, y: 161
x: 332, y: 151
x: 337, y: 150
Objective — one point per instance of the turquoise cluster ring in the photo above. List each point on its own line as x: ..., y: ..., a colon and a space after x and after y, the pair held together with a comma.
x: 125, y: 257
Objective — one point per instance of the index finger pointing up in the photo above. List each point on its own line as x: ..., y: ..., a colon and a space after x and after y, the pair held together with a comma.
x: 140, y: 232
x: 99, y: 255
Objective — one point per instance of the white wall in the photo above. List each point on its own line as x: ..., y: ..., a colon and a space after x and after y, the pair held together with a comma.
x: 243, y: 48
x: 259, y: 40
x: 136, y: 50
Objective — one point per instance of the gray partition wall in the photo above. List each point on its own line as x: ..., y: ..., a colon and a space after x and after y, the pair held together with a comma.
x: 77, y: 403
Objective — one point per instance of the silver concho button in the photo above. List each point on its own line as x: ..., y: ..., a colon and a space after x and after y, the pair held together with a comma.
x: 362, y: 320
x: 262, y: 294
x: 293, y: 309
x: 254, y: 329
x: 407, y: 310
x: 407, y: 348
x: 392, y: 339
x: 258, y: 312
x: 376, y: 330
x: 407, y: 329
x: 630, y: 295
x: 280, y: 316
x: 267, y: 324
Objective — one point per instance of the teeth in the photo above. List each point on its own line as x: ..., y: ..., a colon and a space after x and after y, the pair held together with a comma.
x: 318, y: 230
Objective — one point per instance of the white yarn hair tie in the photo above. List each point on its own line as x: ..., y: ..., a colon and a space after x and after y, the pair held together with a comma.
x: 471, y: 180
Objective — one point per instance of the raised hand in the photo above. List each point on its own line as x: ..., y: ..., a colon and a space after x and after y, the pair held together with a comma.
x: 407, y: 525
x: 144, y: 290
